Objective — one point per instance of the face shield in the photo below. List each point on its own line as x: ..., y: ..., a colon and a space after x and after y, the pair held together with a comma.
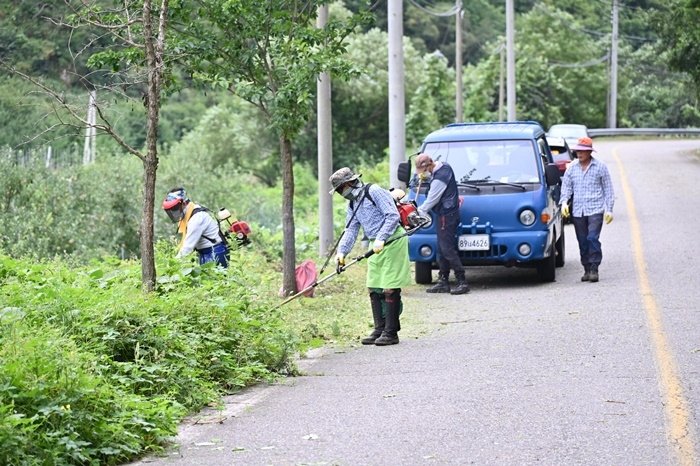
x: 176, y: 213
x: 174, y: 204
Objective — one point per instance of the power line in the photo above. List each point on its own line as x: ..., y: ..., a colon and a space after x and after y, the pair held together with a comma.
x: 593, y: 62
x: 450, y: 12
x: 549, y: 13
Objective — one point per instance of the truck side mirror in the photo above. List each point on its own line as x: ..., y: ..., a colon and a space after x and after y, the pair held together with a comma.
x: 403, y: 172
x: 552, y: 174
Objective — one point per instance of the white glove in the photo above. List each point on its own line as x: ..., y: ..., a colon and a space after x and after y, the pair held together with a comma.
x: 565, y: 210
x: 608, y: 217
x: 378, y: 246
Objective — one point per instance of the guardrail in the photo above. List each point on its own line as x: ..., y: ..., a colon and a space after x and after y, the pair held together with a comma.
x: 642, y: 131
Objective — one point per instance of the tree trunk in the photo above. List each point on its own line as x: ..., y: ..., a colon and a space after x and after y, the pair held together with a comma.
x: 288, y: 250
x: 150, y: 162
x: 148, y: 263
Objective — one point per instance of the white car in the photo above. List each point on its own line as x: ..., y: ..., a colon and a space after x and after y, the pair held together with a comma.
x: 570, y: 133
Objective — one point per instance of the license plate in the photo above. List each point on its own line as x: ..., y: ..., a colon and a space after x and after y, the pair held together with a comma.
x: 474, y: 242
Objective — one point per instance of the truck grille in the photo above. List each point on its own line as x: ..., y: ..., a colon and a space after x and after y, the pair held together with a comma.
x: 496, y: 252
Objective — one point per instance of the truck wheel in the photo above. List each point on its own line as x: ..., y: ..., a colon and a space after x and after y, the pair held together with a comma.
x: 424, y: 273
x: 546, y: 268
x: 561, y: 250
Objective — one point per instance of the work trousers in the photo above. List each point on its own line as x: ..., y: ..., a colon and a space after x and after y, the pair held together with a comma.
x: 588, y: 230
x: 447, y: 255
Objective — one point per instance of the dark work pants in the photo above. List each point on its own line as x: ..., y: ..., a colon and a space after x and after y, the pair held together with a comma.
x: 447, y: 245
x: 588, y: 234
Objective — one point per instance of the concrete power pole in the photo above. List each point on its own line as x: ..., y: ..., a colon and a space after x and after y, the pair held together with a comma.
x: 325, y: 151
x: 90, y: 131
x: 612, y: 105
x: 501, y: 82
x: 458, y: 62
x: 397, y: 109
x: 510, y: 59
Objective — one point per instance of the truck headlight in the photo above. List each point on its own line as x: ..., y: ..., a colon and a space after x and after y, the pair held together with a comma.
x: 425, y: 251
x: 527, y: 217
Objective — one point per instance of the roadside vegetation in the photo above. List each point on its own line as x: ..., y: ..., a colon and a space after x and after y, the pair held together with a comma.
x: 93, y: 370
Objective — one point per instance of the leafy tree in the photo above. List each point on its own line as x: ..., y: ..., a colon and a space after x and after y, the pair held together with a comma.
x: 269, y: 55
x: 559, y: 78
x: 656, y: 97
x: 433, y: 102
x: 136, y: 61
x: 360, y: 104
x: 677, y: 26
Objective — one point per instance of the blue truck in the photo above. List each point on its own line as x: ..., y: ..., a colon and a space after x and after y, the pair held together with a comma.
x: 509, y: 190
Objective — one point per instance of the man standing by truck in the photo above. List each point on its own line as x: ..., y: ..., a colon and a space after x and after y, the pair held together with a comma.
x: 443, y: 200
x: 588, y: 180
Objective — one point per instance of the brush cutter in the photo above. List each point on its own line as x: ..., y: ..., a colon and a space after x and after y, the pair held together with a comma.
x: 339, y: 270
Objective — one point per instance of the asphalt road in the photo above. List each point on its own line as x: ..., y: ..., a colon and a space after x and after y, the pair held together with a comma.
x: 516, y: 372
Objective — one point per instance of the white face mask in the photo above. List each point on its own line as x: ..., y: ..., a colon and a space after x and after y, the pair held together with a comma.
x: 424, y: 176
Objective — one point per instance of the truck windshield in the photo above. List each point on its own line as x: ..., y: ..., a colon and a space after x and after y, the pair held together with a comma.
x: 510, y: 161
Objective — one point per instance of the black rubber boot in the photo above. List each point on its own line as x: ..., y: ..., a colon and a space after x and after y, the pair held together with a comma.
x: 379, y: 321
x: 586, y: 274
x: 390, y: 335
x: 442, y: 285
x: 593, y: 276
x: 462, y: 287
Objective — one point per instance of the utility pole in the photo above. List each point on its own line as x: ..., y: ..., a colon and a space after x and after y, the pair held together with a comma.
x: 325, y: 151
x: 612, y: 104
x: 458, y: 62
x: 397, y: 106
x: 510, y: 59
x: 90, y: 131
x: 501, y: 82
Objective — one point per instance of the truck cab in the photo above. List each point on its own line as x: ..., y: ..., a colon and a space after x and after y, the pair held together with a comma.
x: 509, y: 192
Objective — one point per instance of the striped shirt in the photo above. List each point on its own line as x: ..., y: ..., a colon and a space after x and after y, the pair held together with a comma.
x: 379, y: 219
x: 592, y: 189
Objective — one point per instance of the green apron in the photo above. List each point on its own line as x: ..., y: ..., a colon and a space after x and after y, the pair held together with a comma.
x: 390, y: 268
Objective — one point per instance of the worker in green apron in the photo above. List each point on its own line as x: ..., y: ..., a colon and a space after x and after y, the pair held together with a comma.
x: 388, y: 269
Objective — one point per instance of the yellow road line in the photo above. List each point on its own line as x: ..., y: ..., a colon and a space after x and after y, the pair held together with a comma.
x: 678, y: 417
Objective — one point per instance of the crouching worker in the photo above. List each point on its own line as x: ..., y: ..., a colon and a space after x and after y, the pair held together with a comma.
x: 373, y: 209
x: 199, y: 230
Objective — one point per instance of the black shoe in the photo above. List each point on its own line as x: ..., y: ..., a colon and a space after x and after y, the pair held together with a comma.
x: 372, y: 338
x: 442, y: 286
x: 586, y: 277
x: 594, y: 274
x: 461, y: 288
x: 386, y: 340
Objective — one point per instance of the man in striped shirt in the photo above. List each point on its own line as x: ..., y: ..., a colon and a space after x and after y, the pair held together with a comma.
x: 388, y: 269
x: 588, y: 180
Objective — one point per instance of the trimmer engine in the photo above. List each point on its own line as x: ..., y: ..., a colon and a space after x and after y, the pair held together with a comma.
x: 408, y: 209
x: 238, y: 228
